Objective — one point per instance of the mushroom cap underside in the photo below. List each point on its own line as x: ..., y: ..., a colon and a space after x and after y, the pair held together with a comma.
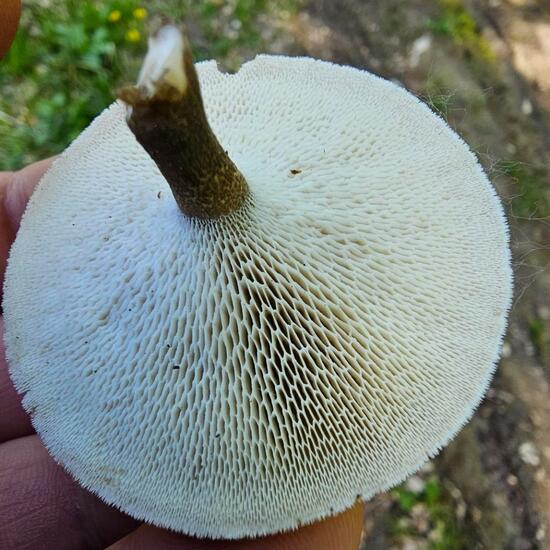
x: 242, y: 376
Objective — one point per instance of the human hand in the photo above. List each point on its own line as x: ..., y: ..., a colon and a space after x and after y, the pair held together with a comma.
x: 10, y: 11
x: 42, y: 507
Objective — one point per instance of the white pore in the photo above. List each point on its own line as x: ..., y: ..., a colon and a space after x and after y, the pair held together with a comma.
x: 245, y: 376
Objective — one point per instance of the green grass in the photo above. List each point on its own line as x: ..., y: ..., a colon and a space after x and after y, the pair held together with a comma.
x: 443, y: 525
x: 530, y: 198
x: 457, y: 23
x: 539, y: 331
x: 60, y: 73
x: 536, y: 331
x: 69, y: 57
x: 439, y: 100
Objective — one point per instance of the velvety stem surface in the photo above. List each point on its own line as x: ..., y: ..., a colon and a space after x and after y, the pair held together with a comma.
x: 166, y: 114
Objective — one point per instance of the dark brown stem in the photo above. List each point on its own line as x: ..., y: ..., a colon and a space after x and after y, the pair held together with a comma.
x: 166, y: 114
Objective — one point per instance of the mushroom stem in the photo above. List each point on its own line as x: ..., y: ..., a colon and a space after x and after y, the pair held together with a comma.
x: 166, y: 114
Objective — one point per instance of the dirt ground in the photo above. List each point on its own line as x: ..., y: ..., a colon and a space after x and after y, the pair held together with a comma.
x: 485, y: 67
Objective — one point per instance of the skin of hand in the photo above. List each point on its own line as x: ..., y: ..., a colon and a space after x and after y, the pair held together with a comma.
x: 42, y: 507
x: 10, y: 11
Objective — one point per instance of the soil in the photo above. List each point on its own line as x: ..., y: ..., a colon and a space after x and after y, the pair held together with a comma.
x: 492, y: 84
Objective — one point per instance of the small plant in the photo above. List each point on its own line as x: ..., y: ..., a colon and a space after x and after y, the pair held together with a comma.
x: 457, y: 23
x: 439, y: 101
x: 240, y: 20
x: 531, y: 198
x: 60, y: 71
x: 427, y: 512
x: 536, y: 331
x: 539, y: 331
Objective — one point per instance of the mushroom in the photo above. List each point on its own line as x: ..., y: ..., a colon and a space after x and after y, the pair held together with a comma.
x: 233, y: 338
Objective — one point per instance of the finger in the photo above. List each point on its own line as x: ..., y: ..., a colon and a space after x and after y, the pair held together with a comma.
x: 342, y: 532
x: 14, y: 421
x: 21, y: 188
x: 41, y: 507
x: 7, y: 233
x: 15, y: 190
x: 10, y: 13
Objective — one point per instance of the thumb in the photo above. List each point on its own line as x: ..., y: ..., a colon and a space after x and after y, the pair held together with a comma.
x: 341, y: 532
x: 10, y: 11
x: 15, y: 190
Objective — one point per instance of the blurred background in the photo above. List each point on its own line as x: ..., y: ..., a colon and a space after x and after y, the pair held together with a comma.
x: 484, y: 66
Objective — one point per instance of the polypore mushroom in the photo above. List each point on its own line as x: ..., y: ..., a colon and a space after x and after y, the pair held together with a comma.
x: 232, y: 340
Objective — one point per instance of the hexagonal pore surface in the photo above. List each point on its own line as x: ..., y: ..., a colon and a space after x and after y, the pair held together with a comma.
x: 241, y: 376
